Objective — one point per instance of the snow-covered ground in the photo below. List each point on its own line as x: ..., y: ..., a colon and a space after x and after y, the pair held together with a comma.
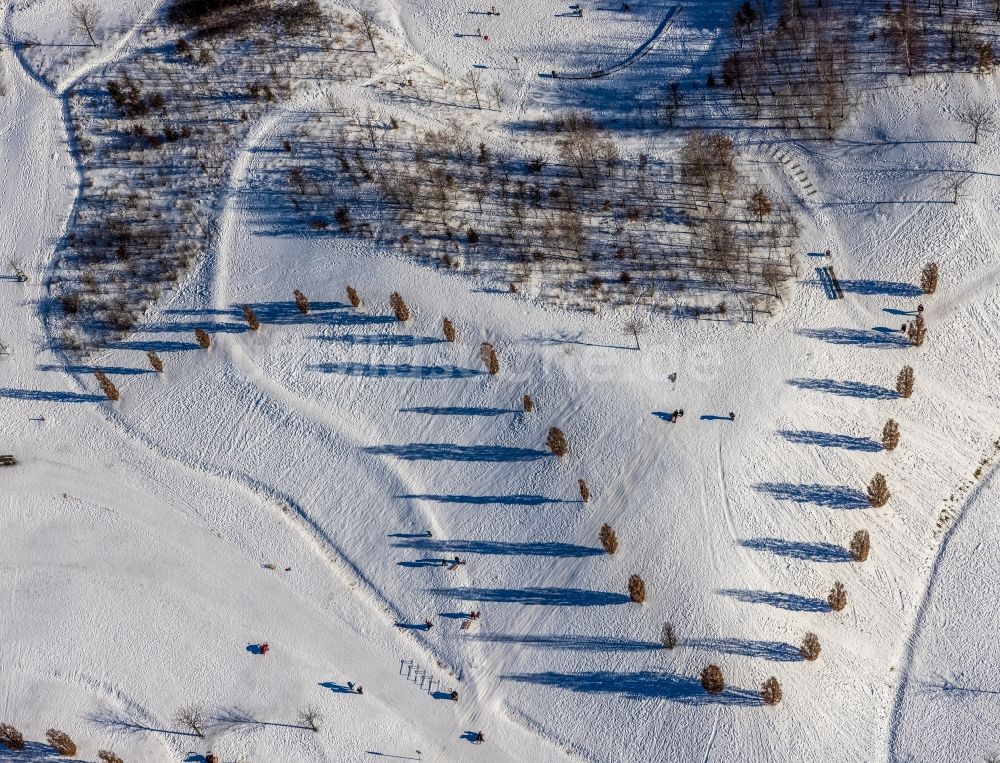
x: 134, y: 535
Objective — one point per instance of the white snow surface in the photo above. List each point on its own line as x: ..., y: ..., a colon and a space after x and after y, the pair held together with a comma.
x: 133, y: 536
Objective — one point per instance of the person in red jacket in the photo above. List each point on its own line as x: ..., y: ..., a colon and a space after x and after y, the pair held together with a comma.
x: 264, y: 648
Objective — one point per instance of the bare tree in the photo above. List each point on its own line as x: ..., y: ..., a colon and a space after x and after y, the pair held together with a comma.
x: 878, y: 491
x: 810, y: 647
x: 759, y: 204
x: 86, y: 15
x: 837, y: 598
x: 369, y: 26
x: 904, y: 382
x: 861, y: 546
x: 929, y: 278
x: 310, y: 717
x: 192, y: 717
x: 916, y: 332
x: 608, y: 538
x: 953, y: 184
x: 475, y: 82
x: 770, y: 691
x: 636, y: 589
x: 711, y: 679
x: 584, y: 491
x: 980, y: 118
x: 635, y: 327
x: 890, y: 435
x: 667, y: 636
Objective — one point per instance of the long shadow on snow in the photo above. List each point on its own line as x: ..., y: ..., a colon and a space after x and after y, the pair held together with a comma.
x: 552, y: 597
x: 572, y: 643
x: 789, y: 601
x: 383, y: 340
x: 832, y: 496
x: 117, y: 721
x: 47, y: 396
x: 827, y: 440
x: 810, y: 552
x: 33, y: 752
x: 643, y: 685
x: 846, y: 388
x: 881, y: 288
x: 776, y: 651
x: 875, y: 339
x: 497, y: 548
x: 487, y: 500
x: 405, y: 371
x: 440, y: 451
x: 452, y: 410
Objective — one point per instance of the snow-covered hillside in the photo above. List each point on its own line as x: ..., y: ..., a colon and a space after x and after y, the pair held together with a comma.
x: 304, y: 485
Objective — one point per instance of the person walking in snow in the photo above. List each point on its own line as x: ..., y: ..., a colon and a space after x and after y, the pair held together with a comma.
x: 264, y: 648
x: 732, y: 416
x: 454, y: 695
x: 479, y: 738
x: 428, y: 624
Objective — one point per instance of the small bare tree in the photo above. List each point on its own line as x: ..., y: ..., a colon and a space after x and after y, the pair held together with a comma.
x: 711, y: 680
x: 106, y: 756
x: 251, y: 318
x: 204, y: 340
x: 904, y: 382
x: 529, y: 404
x: 916, y: 332
x: 85, y: 15
x: 584, y: 492
x: 890, y: 435
x: 667, y: 636
x: 488, y: 355
x: 837, y: 598
x: 107, y: 386
x: 980, y: 118
x: 10, y: 737
x: 475, y: 82
x: 557, y: 442
x: 810, y: 647
x: 634, y: 328
x: 155, y: 362
x: 929, y: 278
x: 370, y: 27
x: 353, y: 297
x: 192, y: 717
x: 770, y: 691
x: 860, y: 546
x: 310, y: 717
x: 953, y: 184
x: 301, y: 302
x: 636, y: 589
x: 608, y: 539
x: 61, y: 742
x: 399, y: 307
x: 759, y: 204
x: 878, y: 491
x: 450, y: 334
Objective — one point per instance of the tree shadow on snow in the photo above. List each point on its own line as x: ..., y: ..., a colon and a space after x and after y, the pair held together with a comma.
x: 552, y: 597
x: 878, y: 338
x: 827, y: 440
x: 487, y: 500
x: 404, y: 371
x: 643, y: 685
x: 789, y: 601
x: 498, y: 548
x: 881, y: 288
x: 451, y: 410
x: 775, y: 651
x: 846, y: 388
x: 434, y: 451
x: 810, y: 552
x: 572, y: 643
x: 831, y: 496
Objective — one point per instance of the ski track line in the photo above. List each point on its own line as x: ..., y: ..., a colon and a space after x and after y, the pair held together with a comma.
x: 917, y: 623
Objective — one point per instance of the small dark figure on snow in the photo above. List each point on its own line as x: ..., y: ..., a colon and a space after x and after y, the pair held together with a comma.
x: 827, y: 252
x: 211, y: 758
x: 350, y: 685
x: 264, y: 648
x: 428, y: 624
x: 920, y: 308
x: 494, y: 11
x: 903, y: 328
x: 454, y: 696
x: 479, y: 738
x: 361, y: 690
x: 732, y: 416
x: 474, y: 615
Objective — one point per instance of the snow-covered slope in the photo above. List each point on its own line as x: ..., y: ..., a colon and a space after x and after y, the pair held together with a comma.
x: 135, y: 535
